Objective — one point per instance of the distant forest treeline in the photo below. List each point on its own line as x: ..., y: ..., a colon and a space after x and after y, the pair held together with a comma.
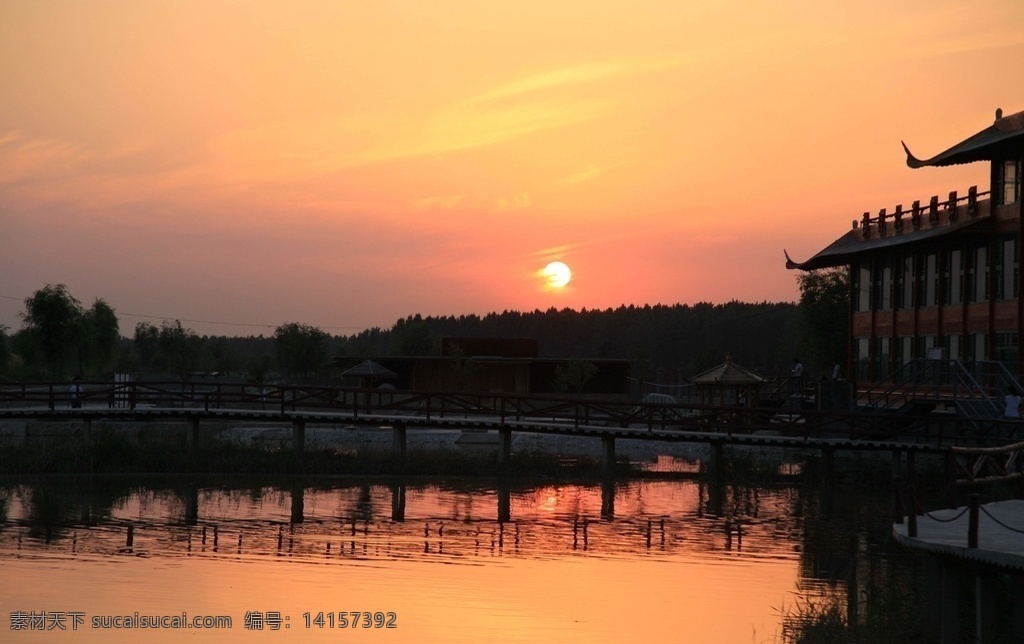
x: 665, y: 342
x: 681, y: 337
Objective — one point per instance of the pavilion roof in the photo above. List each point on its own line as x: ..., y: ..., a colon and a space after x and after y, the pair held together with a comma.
x: 727, y: 373
x: 1007, y: 132
x: 369, y: 369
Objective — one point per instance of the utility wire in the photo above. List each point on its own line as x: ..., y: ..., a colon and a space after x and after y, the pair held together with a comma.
x: 170, y: 319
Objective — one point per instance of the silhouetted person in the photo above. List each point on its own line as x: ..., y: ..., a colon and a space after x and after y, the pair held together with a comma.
x: 76, y: 392
x: 1013, y: 401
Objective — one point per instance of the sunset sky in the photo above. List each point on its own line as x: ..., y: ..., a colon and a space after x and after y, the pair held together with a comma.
x: 344, y: 164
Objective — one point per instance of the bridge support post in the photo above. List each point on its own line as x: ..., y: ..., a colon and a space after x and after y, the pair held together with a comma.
x: 298, y: 504
x: 398, y: 442
x: 1017, y: 606
x: 299, y: 436
x: 504, y: 500
x: 398, y: 502
x: 830, y: 460
x: 897, y: 462
x: 899, y: 503
x: 608, y: 499
x: 944, y: 580
x: 985, y: 600
x: 191, y: 506
x: 717, y: 461
x: 192, y: 433
x: 607, y: 455
x: 505, y: 446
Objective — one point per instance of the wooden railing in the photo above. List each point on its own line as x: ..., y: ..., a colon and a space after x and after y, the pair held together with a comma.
x: 895, y: 223
x: 379, y: 406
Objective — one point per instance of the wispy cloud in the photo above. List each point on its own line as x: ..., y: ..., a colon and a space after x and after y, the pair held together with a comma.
x: 468, y: 126
x: 507, y: 112
x: 583, y: 73
x: 23, y: 158
x: 587, y: 174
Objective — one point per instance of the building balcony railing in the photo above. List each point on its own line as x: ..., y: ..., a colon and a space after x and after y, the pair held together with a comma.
x: 935, y: 213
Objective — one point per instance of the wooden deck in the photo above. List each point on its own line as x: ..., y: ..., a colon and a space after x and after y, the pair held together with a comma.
x: 1000, y: 534
x: 982, y: 548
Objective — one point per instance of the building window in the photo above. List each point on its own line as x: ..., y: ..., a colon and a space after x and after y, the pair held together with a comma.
x: 863, y: 286
x: 883, y: 348
x: 1005, y: 348
x: 884, y: 286
x: 976, y: 347
x: 924, y: 343
x: 929, y: 280
x: 905, y: 349
x: 1008, y: 182
x: 1006, y: 268
x: 907, y: 284
x: 862, y: 358
x: 953, y: 346
x: 977, y: 278
x: 953, y: 272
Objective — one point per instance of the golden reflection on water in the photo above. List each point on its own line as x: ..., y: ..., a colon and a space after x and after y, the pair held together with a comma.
x: 654, y: 561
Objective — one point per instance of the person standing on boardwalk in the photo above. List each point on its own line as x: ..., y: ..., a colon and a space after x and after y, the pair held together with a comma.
x: 1013, y: 401
x: 76, y: 392
x: 798, y: 376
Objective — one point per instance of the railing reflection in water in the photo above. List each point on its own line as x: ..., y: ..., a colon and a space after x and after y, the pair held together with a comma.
x: 396, y: 520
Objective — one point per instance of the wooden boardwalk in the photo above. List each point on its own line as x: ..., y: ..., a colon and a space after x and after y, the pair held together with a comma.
x: 981, y: 545
x: 1000, y: 534
x: 765, y: 435
x: 402, y: 411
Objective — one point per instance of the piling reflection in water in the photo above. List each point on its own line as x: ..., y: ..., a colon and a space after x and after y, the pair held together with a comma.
x: 398, y: 520
x: 741, y: 549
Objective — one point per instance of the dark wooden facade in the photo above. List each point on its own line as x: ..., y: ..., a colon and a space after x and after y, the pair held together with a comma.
x: 941, y: 278
x: 501, y: 366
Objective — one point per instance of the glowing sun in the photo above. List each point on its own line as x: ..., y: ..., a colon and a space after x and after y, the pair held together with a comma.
x: 557, y: 274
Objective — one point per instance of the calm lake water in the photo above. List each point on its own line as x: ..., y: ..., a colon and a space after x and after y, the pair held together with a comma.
x: 429, y: 561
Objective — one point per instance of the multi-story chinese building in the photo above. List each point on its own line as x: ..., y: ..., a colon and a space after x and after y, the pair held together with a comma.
x: 940, y: 278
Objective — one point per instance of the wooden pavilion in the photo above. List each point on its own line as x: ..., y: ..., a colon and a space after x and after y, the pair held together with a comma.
x: 728, y: 384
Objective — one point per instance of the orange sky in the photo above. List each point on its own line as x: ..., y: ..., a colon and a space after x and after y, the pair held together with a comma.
x: 344, y: 164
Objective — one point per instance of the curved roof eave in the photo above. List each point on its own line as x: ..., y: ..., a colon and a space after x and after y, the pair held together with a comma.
x: 847, y: 248
x: 979, y: 147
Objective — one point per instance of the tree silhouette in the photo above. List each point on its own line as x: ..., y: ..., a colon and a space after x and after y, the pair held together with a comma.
x: 825, y: 314
x: 300, y: 349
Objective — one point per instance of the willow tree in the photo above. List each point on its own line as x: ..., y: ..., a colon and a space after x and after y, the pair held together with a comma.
x: 52, y: 324
x: 62, y: 335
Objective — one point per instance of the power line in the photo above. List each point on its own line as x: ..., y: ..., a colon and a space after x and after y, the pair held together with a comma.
x: 247, y: 324
x: 191, y: 321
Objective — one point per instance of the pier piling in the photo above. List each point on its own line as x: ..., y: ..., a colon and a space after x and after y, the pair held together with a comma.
x: 192, y: 435
x: 505, y: 446
x: 299, y: 436
x: 607, y: 455
x: 398, y: 442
